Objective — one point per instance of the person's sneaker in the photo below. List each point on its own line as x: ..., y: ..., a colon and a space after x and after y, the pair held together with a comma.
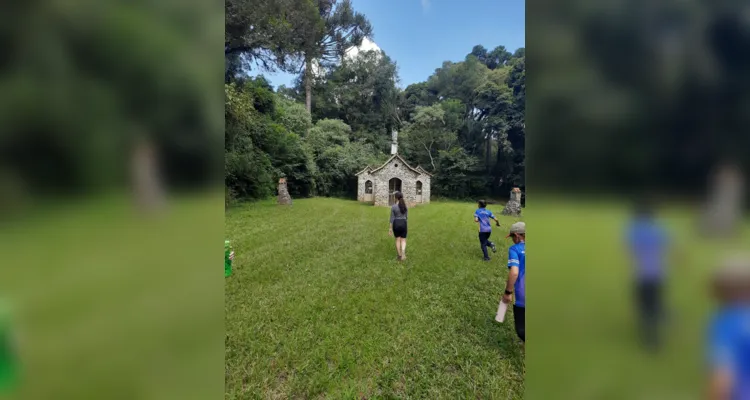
x: 487, y: 259
x: 493, y: 247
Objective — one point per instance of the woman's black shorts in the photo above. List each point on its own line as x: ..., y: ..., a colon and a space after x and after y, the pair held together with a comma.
x: 399, y: 228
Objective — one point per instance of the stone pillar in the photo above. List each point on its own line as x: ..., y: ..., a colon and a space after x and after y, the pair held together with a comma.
x: 723, y: 212
x: 515, y: 195
x: 513, y: 207
x: 147, y: 183
x: 284, y: 197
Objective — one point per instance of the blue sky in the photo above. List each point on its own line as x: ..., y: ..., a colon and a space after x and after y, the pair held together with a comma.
x: 420, y: 34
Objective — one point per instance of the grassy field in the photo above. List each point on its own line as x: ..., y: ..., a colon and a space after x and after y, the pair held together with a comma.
x: 319, y: 308
x: 582, y: 325
x: 110, y: 304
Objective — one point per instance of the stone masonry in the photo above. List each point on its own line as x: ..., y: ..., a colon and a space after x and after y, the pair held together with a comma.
x: 380, y: 177
x: 284, y: 197
x: 513, y: 207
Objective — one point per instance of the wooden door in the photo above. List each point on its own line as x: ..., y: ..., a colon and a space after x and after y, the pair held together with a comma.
x: 368, y: 191
x: 394, y: 185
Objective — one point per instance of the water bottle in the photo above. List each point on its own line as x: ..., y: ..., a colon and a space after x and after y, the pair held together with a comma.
x: 227, y: 259
x: 9, y: 368
x: 502, y: 308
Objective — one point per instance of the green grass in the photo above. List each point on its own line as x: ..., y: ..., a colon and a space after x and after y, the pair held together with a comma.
x: 318, y: 307
x: 582, y: 322
x: 110, y: 304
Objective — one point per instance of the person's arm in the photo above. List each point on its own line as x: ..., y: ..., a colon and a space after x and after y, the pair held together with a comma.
x: 513, y: 265
x: 720, y: 379
x: 390, y: 225
x: 497, y: 221
x: 720, y: 385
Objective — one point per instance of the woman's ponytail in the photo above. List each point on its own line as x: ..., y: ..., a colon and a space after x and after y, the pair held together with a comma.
x: 401, y: 202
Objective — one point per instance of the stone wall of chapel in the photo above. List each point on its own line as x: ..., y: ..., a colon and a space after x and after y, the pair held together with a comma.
x: 381, y: 188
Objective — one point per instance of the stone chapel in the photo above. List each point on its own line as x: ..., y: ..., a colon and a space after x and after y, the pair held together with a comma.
x: 377, y: 185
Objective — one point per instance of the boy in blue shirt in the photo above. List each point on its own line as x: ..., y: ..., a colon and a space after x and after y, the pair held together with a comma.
x: 648, y: 244
x: 483, y: 216
x: 729, y: 333
x: 517, y: 277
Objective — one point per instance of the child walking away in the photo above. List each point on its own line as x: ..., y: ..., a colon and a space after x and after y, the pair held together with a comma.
x: 517, y: 277
x: 398, y: 225
x: 649, y: 246
x: 483, y: 216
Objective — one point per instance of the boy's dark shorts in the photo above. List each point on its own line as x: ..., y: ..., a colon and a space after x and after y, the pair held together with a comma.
x: 519, y: 318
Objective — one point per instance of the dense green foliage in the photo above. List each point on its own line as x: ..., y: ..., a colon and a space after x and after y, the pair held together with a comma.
x: 646, y: 100
x: 464, y: 123
x: 268, y: 137
x: 83, y: 81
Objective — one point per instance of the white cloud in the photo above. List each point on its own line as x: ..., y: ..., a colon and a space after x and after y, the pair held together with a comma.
x: 367, y: 45
x: 425, y: 5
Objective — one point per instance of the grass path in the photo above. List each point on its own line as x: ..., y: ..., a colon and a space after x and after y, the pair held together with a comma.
x: 319, y: 308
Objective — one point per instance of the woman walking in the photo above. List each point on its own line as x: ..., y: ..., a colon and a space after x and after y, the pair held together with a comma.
x: 398, y: 225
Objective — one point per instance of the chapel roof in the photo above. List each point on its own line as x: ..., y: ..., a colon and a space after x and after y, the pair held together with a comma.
x: 371, y: 169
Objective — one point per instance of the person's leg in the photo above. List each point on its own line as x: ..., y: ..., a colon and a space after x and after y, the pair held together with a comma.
x: 657, y: 313
x: 652, y: 323
x: 490, y: 243
x: 398, y: 247
x: 640, y: 309
x: 483, y: 244
x: 519, y: 319
x: 403, y: 248
x: 665, y: 315
x: 648, y: 314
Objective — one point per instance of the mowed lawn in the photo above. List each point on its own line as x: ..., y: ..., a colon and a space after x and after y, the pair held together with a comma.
x: 111, y: 304
x: 318, y: 307
x: 584, y: 342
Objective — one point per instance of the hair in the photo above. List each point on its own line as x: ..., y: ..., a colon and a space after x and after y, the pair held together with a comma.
x: 645, y: 209
x: 401, y: 202
x: 482, y: 203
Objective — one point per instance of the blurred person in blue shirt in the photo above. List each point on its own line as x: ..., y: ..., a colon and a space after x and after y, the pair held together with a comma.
x: 516, y: 283
x: 483, y: 216
x: 648, y: 243
x: 729, y: 333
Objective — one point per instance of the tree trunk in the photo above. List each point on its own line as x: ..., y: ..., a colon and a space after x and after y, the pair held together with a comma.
x: 429, y: 153
x: 308, y: 84
x: 500, y: 172
x: 147, y: 186
x: 488, y: 152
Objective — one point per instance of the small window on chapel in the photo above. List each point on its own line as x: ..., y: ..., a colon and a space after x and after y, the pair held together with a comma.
x: 396, y: 165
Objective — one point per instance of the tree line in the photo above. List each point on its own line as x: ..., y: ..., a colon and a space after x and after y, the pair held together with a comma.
x: 633, y: 102
x: 464, y: 123
x: 101, y: 88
